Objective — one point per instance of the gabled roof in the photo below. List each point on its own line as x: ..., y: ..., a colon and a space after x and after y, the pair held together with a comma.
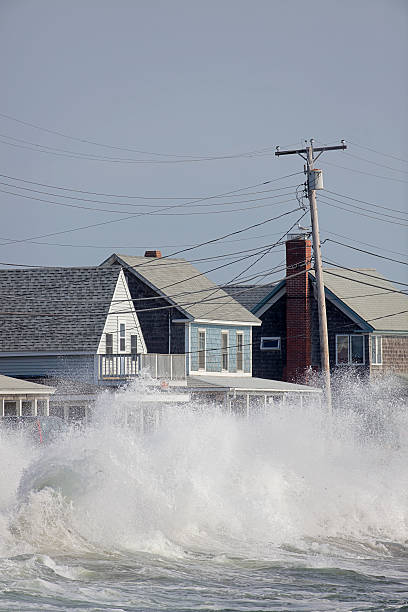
x: 9, y: 385
x: 371, y: 296
x: 187, y: 288
x: 363, y: 294
x: 248, y: 295
x: 63, y: 309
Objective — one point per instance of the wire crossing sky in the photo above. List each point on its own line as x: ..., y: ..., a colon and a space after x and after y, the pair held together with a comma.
x: 153, y: 124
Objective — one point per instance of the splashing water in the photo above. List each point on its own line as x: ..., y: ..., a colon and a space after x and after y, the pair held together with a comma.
x: 208, y: 495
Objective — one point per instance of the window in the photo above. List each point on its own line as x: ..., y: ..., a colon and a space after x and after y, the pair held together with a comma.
x: 224, y: 350
x: 109, y: 344
x: 26, y: 408
x: 270, y: 344
x: 376, y: 350
x: 240, y: 345
x: 350, y: 350
x: 122, y: 337
x: 201, y: 349
x: 133, y: 344
x: 42, y: 407
x: 10, y: 408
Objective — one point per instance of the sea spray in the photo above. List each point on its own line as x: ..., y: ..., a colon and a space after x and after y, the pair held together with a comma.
x: 206, y: 481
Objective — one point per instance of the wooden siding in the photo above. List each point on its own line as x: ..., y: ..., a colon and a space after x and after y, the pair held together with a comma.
x: 270, y: 364
x: 78, y: 367
x: 122, y: 311
x: 213, y: 347
x: 155, y: 323
x: 394, y: 356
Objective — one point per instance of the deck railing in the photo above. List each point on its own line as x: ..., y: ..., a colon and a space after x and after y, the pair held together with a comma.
x: 123, y: 366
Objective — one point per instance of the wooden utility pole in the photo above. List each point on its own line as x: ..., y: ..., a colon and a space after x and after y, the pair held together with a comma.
x: 315, y: 181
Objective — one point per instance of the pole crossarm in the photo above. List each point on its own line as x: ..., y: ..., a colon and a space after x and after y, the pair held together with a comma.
x: 305, y: 151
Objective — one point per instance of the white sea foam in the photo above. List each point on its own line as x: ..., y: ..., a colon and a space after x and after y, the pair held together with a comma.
x: 208, y: 482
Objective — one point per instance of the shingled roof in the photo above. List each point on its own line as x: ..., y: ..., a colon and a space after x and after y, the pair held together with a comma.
x: 371, y: 296
x: 186, y: 287
x: 248, y: 295
x: 61, y: 309
x: 364, y: 294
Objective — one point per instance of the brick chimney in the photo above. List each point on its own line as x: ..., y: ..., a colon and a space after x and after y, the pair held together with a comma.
x: 156, y: 254
x: 298, y: 308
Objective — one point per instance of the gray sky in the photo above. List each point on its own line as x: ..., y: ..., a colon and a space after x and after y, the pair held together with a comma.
x: 195, y: 79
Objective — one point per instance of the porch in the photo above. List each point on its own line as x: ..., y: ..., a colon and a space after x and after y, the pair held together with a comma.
x: 120, y: 367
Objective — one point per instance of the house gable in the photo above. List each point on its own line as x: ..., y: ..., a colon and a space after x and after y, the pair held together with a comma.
x: 122, y: 311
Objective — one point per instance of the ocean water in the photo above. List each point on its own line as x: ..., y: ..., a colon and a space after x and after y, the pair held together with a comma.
x: 287, y: 510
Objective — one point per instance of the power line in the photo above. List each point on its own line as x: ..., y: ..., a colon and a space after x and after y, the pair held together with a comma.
x: 365, y: 209
x: 139, y: 197
x: 365, y: 202
x: 368, y: 161
x: 361, y: 214
x: 387, y: 178
x: 358, y: 271
x: 156, y: 212
x: 122, y: 148
x: 365, y: 243
x: 377, y: 152
x: 364, y: 251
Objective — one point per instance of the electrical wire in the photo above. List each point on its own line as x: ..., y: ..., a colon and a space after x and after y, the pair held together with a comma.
x: 358, y: 271
x: 365, y: 209
x: 365, y: 243
x: 387, y: 178
x: 360, y: 214
x: 127, y: 149
x: 377, y: 152
x: 341, y: 195
x: 364, y: 251
x: 368, y: 161
x: 156, y: 212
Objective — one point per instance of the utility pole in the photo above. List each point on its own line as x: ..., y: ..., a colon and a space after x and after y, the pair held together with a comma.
x: 315, y: 181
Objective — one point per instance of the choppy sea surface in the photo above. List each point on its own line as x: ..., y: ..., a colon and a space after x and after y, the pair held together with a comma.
x: 287, y: 510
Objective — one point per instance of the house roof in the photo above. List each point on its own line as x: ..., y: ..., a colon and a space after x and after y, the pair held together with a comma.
x: 63, y: 309
x: 186, y: 287
x: 371, y: 296
x: 248, y: 295
x: 364, y: 294
x: 246, y: 384
x: 9, y: 385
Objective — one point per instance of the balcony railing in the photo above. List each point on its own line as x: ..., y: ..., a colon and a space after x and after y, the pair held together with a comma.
x: 123, y: 366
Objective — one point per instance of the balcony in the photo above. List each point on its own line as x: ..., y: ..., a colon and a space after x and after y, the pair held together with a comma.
x: 119, y: 367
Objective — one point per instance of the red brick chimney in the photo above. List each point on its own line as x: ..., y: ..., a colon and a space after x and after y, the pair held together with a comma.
x: 298, y: 308
x: 156, y: 254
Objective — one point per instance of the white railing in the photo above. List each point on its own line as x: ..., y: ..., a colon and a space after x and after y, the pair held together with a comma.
x: 161, y: 366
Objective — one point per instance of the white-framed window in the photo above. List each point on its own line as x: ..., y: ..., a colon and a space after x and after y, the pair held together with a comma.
x: 376, y: 350
x: 224, y: 350
x: 270, y: 343
x: 122, y: 337
x: 350, y: 349
x: 109, y: 344
x: 201, y: 349
x: 240, y: 351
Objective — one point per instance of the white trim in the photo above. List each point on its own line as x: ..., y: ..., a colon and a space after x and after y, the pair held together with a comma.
x: 225, y: 332
x: 374, y: 342
x: 350, y: 362
x: 271, y: 301
x: 45, y: 353
x: 199, y: 350
x: 265, y: 348
x: 240, y: 333
x: 223, y: 373
x: 132, y: 269
x: 223, y: 322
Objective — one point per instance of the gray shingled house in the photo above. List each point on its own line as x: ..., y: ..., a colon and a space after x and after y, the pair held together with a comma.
x: 182, y: 312
x: 367, y: 320
x: 75, y: 324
